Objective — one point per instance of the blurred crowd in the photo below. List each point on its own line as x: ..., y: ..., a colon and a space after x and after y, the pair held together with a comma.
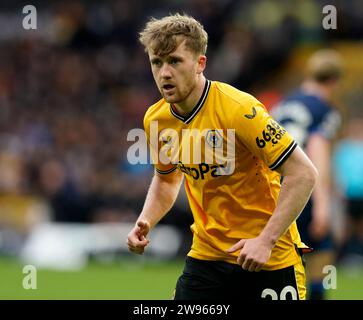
x: 72, y: 89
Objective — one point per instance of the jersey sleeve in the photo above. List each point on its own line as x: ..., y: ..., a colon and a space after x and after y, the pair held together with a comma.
x: 262, y: 135
x: 329, y: 125
x: 157, y: 148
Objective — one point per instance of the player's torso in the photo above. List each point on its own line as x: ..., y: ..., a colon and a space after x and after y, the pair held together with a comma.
x: 217, y: 165
x: 232, y: 192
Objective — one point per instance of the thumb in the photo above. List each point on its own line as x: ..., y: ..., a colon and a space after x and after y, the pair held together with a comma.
x: 144, y: 227
x: 238, y: 245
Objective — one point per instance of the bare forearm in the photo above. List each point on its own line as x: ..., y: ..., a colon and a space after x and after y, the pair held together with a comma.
x: 321, y: 198
x: 300, y: 177
x: 319, y: 153
x: 160, y: 198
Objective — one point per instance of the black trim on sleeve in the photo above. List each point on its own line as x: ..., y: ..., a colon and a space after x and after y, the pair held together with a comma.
x: 283, y: 157
x: 166, y: 171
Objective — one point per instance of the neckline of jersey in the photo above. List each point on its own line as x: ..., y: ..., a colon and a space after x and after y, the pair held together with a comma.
x: 188, y: 118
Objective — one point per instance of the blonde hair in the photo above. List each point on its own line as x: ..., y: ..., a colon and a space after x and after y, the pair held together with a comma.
x: 325, y: 65
x: 164, y: 35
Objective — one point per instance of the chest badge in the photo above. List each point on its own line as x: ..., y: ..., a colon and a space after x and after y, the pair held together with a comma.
x: 214, y: 139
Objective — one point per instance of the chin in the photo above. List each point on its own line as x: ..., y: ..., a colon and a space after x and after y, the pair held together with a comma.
x: 171, y: 99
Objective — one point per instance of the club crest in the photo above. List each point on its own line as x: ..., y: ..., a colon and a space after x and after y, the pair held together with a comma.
x: 214, y: 139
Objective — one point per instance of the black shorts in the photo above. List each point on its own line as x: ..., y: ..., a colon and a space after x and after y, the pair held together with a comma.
x: 216, y: 280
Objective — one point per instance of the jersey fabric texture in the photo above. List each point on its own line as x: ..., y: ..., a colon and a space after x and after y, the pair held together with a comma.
x: 236, y: 205
x: 304, y: 115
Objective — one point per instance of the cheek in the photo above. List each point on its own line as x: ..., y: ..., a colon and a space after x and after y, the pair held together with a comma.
x: 155, y: 75
x: 153, y: 71
x: 190, y: 77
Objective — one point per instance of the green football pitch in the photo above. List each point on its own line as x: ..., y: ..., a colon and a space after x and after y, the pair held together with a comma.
x: 126, y: 279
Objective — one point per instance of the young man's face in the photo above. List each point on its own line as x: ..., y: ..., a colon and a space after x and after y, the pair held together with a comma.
x: 176, y: 74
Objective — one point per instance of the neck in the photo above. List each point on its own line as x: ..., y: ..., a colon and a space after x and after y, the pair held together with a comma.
x: 316, y: 89
x: 186, y: 106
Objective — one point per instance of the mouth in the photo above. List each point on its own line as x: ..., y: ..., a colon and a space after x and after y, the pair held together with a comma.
x: 168, y: 87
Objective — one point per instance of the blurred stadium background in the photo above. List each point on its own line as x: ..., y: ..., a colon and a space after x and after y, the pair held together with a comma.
x: 72, y: 89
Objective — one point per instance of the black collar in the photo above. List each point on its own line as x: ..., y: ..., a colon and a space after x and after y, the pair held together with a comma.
x: 188, y: 118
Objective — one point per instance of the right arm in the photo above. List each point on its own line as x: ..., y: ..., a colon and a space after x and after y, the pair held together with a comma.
x: 160, y: 198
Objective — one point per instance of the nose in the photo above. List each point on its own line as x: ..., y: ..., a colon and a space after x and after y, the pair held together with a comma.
x: 165, y: 71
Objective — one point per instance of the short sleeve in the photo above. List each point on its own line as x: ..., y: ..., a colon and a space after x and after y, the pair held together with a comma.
x: 157, y: 147
x: 329, y: 125
x: 262, y: 135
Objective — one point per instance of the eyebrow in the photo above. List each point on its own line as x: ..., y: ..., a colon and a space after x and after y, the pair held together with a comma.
x: 169, y: 56
x: 175, y: 56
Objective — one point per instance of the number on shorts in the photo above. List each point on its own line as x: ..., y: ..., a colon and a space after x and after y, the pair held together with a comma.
x: 274, y: 296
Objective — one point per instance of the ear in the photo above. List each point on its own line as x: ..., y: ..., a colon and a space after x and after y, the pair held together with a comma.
x: 202, y: 63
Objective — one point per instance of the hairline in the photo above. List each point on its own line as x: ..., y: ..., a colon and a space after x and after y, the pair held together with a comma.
x: 183, y: 40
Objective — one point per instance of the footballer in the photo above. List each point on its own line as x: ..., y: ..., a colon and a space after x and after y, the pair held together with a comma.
x: 245, y: 239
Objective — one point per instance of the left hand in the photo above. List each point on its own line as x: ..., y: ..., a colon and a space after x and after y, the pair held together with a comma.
x: 319, y: 227
x: 254, y: 253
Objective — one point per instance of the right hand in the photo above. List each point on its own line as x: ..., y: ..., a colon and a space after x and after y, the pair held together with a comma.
x: 136, y: 239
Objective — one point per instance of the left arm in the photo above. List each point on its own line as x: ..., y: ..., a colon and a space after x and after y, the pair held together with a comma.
x: 300, y: 177
x: 318, y: 150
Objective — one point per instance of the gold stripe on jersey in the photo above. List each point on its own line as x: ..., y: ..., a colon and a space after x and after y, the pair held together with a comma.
x: 227, y: 208
x: 300, y: 277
